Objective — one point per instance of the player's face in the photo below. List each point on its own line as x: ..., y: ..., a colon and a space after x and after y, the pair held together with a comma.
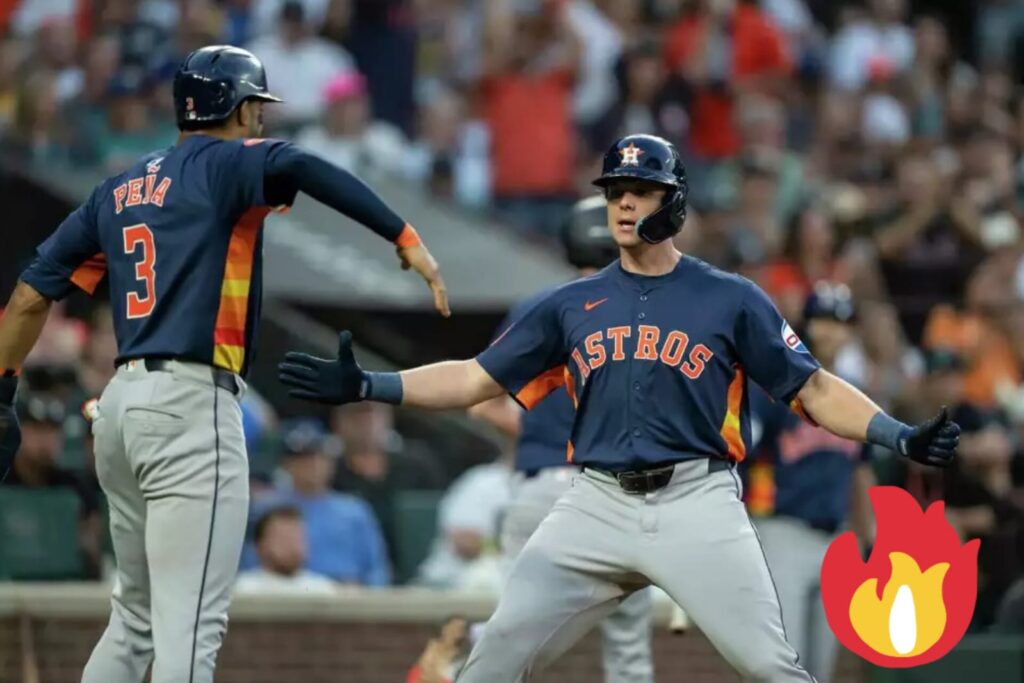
x: 628, y: 202
x: 253, y: 110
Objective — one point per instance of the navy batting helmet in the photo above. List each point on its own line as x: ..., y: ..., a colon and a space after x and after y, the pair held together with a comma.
x: 213, y: 81
x: 832, y: 301
x: 648, y: 157
x: 588, y: 243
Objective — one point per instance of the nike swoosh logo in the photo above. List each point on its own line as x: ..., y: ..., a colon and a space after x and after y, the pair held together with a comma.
x: 591, y: 305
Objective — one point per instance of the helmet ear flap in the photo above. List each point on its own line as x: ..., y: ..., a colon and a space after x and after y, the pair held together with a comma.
x: 667, y: 220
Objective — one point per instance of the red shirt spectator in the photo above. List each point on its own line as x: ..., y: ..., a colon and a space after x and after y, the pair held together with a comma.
x: 532, y: 141
x: 723, y: 55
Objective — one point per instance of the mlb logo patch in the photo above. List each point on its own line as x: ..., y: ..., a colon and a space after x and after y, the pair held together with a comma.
x: 790, y: 338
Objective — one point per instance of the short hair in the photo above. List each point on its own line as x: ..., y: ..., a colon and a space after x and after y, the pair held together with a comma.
x: 278, y: 512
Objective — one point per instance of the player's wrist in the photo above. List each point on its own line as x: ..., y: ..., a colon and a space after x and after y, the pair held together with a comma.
x: 888, y: 432
x: 408, y: 237
x: 383, y: 387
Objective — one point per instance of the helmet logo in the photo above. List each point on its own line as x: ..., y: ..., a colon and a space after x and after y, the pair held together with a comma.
x: 631, y: 155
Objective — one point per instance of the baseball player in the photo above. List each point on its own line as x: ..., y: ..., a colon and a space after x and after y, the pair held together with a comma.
x: 543, y: 475
x: 179, y: 237
x: 656, y: 351
x: 802, y: 483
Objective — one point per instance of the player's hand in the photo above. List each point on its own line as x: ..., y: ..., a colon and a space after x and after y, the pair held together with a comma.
x: 333, y: 381
x: 10, y: 430
x: 932, y: 442
x: 418, y: 258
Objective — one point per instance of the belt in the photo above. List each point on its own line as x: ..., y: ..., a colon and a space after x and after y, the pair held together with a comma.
x: 649, y: 480
x: 221, y: 378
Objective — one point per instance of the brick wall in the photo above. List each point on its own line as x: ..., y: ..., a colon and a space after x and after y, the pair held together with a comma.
x: 288, y: 651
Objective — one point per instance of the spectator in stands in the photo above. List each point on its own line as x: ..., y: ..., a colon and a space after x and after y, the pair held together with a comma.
x: 343, y: 537
x: 530, y: 63
x: 377, y: 462
x: 447, y: 156
x: 11, y: 57
x: 648, y: 101
x: 928, y: 242
x: 724, y: 49
x: 979, y: 488
x: 130, y: 130
x: 444, y: 655
x: 465, y: 551
x: 35, y: 135
x: 878, y: 34
x: 281, y: 546
x: 602, y: 45
x: 85, y: 116
x: 299, y: 66
x: 978, y: 334
x: 42, y: 416
x: 57, y: 50
x: 349, y: 137
x: 382, y: 39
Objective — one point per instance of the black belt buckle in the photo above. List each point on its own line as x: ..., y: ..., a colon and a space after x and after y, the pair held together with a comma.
x: 645, y: 481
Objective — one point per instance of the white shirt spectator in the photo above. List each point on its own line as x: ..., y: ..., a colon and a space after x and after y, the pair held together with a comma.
x: 263, y: 582
x: 298, y: 73
x: 602, y: 46
x: 265, y: 15
x: 31, y: 14
x: 474, y: 502
x: 854, y: 48
x: 379, y: 151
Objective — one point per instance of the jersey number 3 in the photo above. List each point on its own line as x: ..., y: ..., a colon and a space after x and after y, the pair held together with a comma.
x: 139, y: 238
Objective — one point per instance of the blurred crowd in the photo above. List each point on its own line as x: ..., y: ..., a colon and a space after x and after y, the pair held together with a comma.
x: 873, y: 144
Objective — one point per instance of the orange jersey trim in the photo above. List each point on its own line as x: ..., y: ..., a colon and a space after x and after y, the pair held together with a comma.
x: 87, y: 277
x: 407, y: 238
x: 540, y: 386
x: 730, y: 430
x: 569, y: 450
x: 797, y: 407
x: 233, y: 312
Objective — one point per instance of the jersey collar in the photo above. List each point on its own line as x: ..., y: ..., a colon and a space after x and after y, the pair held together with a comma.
x: 646, y: 283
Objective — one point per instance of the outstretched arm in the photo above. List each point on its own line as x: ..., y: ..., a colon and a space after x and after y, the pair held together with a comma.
x: 845, y: 411
x: 451, y: 384
x: 291, y: 169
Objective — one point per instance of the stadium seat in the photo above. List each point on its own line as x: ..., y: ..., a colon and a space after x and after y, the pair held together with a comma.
x: 39, y: 532
x: 415, y: 519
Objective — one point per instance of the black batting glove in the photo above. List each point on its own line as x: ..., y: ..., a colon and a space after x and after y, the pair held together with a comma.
x: 335, y: 382
x: 932, y: 442
x: 10, y: 430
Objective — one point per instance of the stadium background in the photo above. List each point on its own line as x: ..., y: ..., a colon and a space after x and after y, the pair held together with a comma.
x: 873, y: 143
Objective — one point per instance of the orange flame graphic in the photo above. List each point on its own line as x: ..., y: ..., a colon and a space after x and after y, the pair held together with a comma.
x: 912, y: 601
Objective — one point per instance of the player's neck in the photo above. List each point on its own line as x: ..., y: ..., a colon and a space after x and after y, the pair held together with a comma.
x: 650, y: 259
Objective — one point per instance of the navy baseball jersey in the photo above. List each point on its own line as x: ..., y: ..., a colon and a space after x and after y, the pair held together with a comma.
x: 799, y: 470
x: 546, y: 429
x: 179, y: 235
x: 656, y: 366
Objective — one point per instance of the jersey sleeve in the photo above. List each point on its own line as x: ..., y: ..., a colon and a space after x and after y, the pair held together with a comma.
x: 238, y: 170
x: 769, y: 350
x: 528, y: 357
x: 71, y: 257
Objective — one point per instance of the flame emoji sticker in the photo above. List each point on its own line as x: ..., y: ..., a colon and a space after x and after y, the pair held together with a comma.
x: 912, y: 601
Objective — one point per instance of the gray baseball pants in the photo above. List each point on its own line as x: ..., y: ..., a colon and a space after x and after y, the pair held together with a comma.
x: 170, y: 456
x: 795, y: 552
x: 692, y: 538
x: 626, y: 632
